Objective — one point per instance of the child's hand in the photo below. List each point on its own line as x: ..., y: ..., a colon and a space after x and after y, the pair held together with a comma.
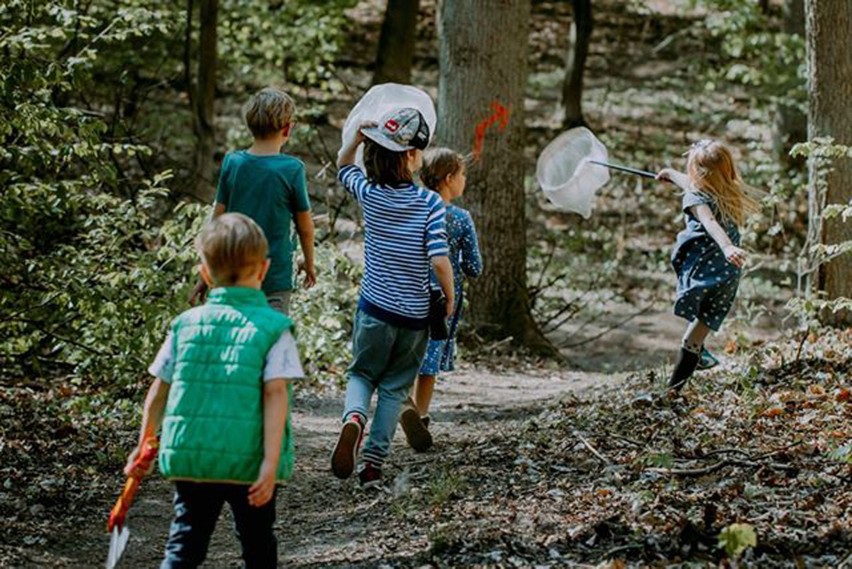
x: 666, y: 175
x: 263, y: 489
x: 310, y: 273
x: 359, y: 136
x: 132, y: 470
x: 735, y: 256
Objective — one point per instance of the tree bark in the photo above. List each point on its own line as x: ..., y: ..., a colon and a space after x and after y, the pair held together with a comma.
x: 791, y: 124
x: 575, y: 64
x: 829, y: 47
x: 203, y: 102
x: 396, y: 43
x: 483, y: 67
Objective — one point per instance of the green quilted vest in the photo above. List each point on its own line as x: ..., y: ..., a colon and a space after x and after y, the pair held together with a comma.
x: 213, y: 424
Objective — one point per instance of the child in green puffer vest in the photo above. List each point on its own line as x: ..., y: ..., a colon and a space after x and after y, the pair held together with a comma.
x: 222, y: 396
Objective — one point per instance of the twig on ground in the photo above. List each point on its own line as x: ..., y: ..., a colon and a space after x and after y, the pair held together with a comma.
x: 593, y: 450
x: 620, y: 548
x: 718, y: 466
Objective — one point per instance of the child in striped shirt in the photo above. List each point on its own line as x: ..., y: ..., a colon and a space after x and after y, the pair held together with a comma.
x: 405, y: 237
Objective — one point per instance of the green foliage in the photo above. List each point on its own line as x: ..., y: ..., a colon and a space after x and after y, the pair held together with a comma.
x: 292, y: 42
x: 90, y: 272
x: 735, y: 538
x: 96, y: 256
x: 822, y: 152
x: 324, y: 316
x: 757, y: 54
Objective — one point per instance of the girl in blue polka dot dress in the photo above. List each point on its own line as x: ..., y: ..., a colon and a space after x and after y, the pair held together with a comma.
x: 707, y: 257
x: 444, y: 173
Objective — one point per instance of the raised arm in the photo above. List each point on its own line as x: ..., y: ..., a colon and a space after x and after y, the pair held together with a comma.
x: 679, y: 179
x: 349, y: 150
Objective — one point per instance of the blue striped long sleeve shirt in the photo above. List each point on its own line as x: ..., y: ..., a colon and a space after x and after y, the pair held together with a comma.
x: 405, y: 228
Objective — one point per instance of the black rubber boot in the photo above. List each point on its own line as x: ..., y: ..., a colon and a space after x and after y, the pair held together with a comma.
x: 686, y: 363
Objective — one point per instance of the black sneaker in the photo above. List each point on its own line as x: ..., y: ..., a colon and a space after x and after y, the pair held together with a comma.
x: 346, y: 450
x: 369, y: 475
x: 416, y: 433
x: 426, y: 420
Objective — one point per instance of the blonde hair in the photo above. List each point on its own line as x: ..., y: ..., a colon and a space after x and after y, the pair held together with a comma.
x: 230, y: 244
x: 711, y: 170
x: 268, y: 111
x: 438, y: 163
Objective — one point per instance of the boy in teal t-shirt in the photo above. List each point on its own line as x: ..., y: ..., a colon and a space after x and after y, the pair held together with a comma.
x: 270, y: 188
x: 222, y: 395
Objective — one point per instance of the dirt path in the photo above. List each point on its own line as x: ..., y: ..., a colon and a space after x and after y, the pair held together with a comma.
x: 326, y: 522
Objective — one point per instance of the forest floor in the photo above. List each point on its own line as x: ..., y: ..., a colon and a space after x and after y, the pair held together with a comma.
x: 533, y: 466
x: 574, y: 463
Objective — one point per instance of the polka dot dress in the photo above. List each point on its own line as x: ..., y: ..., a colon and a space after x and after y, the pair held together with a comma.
x: 466, y: 261
x: 706, y: 282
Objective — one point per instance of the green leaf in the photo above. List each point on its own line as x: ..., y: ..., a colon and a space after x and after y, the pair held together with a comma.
x: 735, y: 538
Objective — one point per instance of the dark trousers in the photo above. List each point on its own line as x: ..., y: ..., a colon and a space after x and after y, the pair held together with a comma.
x: 197, y: 507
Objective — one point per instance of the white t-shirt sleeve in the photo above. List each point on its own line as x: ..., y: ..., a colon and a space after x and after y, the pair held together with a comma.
x: 282, y: 361
x: 163, y: 365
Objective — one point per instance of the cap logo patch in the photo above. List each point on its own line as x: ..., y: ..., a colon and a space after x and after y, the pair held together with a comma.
x: 391, y: 126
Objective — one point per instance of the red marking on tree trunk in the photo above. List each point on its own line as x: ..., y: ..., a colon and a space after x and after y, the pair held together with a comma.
x: 499, y: 113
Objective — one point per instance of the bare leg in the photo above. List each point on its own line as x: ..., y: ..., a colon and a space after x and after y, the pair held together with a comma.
x: 423, y: 389
x: 696, y: 333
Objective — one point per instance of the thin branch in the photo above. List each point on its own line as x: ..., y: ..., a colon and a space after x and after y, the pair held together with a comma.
x: 609, y: 329
x: 592, y: 449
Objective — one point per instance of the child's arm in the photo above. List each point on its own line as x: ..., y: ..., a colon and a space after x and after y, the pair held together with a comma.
x: 305, y: 228
x: 152, y: 418
x: 733, y: 254
x: 275, y: 403
x: 349, y: 150
x: 444, y: 273
x: 679, y: 179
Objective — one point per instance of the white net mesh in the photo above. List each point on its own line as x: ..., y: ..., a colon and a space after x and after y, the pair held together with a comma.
x: 565, y: 174
x: 382, y: 99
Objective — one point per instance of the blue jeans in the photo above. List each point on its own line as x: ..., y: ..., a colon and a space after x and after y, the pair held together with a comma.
x: 385, y: 358
x: 197, y: 507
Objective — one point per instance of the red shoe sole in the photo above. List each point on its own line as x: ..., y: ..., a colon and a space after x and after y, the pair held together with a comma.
x: 346, y: 450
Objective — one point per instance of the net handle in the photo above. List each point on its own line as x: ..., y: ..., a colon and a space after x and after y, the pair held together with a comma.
x: 643, y: 173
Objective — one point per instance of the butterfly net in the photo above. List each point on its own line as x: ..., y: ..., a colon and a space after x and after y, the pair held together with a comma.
x: 382, y: 99
x: 565, y: 174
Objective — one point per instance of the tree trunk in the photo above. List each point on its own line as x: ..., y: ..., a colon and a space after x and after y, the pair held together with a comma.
x: 204, y: 98
x: 575, y: 64
x: 791, y: 124
x: 483, y: 69
x: 829, y: 46
x: 396, y: 42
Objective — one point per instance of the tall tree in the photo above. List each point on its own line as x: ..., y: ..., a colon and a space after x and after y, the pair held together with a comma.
x: 791, y: 124
x: 575, y: 63
x: 483, y: 76
x: 396, y: 43
x: 829, y: 48
x: 203, y: 99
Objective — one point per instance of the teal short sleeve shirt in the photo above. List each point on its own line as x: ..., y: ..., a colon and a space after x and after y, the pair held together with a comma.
x: 270, y: 190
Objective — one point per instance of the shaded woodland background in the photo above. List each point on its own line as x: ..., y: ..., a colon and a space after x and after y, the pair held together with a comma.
x: 115, y: 115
